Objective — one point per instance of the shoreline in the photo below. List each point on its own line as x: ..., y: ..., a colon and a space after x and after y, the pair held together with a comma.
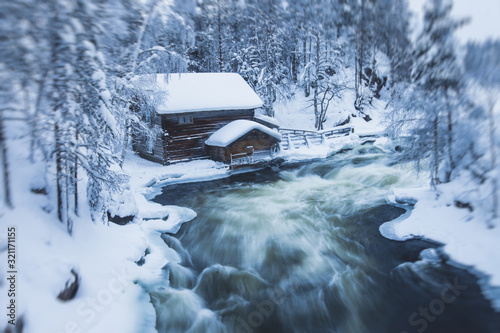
x: 389, y: 230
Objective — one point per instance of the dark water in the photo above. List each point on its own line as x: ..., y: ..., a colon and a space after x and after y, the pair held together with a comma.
x: 298, y: 249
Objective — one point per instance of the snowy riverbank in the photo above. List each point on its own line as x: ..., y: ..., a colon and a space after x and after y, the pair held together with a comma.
x: 105, y: 258
x: 467, y: 240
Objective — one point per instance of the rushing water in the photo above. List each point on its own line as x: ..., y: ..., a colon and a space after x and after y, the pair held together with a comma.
x: 298, y: 250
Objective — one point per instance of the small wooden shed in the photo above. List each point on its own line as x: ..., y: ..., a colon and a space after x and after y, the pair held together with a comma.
x: 243, y: 139
x: 197, y: 105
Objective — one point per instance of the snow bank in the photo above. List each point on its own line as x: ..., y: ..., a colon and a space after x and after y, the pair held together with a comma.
x: 235, y: 130
x: 103, y: 257
x: 147, y: 178
x: 467, y: 239
x: 192, y: 92
x: 110, y: 297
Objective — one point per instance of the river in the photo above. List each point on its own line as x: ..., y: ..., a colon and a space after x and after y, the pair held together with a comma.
x: 297, y: 249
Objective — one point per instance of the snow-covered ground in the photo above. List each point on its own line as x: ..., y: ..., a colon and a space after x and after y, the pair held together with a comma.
x: 467, y: 240
x: 110, y: 297
x: 297, y: 113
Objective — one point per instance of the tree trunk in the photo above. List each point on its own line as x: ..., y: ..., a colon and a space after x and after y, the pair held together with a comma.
x: 305, y: 50
x: 31, y: 122
x: 491, y: 121
x: 362, y: 45
x: 5, y: 166
x: 295, y: 65
x: 316, y: 111
x: 69, y: 224
x: 37, y: 111
x: 142, y: 32
x: 435, y: 179
x: 59, y: 175
x: 308, y: 59
x: 75, y: 176
x: 356, y: 83
x: 220, y: 35
x: 451, y: 163
x: 316, y: 91
x: 126, y: 137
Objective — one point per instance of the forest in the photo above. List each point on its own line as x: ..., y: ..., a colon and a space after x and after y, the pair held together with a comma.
x: 67, y: 74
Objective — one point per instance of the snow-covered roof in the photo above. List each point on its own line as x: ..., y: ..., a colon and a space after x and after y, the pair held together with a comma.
x: 267, y: 119
x: 236, y: 129
x: 192, y: 92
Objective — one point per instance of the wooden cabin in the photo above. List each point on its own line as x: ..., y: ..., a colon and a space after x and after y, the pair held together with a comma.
x: 197, y: 105
x: 243, y: 139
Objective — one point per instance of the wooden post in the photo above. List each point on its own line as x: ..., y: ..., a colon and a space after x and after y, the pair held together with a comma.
x: 290, y: 142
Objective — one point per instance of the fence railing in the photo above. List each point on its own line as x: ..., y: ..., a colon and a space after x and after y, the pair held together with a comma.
x: 292, y: 138
x: 249, y: 159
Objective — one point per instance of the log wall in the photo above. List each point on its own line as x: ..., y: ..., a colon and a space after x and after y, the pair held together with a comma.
x: 140, y: 144
x: 260, y: 141
x: 187, y: 141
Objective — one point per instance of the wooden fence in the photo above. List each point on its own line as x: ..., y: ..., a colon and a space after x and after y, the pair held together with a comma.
x: 295, y: 138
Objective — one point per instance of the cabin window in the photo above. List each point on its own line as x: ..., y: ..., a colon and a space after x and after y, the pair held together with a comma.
x: 185, y: 120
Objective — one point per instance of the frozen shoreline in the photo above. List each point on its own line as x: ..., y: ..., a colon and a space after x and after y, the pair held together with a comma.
x: 467, y: 241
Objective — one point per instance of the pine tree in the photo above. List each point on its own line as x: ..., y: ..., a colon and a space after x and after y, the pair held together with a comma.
x: 17, y: 67
x: 62, y: 59
x: 483, y: 71
x: 436, y: 74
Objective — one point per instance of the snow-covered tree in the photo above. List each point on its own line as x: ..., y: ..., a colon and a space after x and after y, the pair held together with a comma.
x: 64, y: 89
x: 18, y: 68
x: 483, y: 71
x: 325, y: 83
x: 431, y: 103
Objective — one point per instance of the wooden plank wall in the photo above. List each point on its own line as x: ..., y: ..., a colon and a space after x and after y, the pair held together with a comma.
x: 218, y: 153
x: 257, y: 139
x: 187, y: 141
x: 140, y: 145
x: 260, y: 141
